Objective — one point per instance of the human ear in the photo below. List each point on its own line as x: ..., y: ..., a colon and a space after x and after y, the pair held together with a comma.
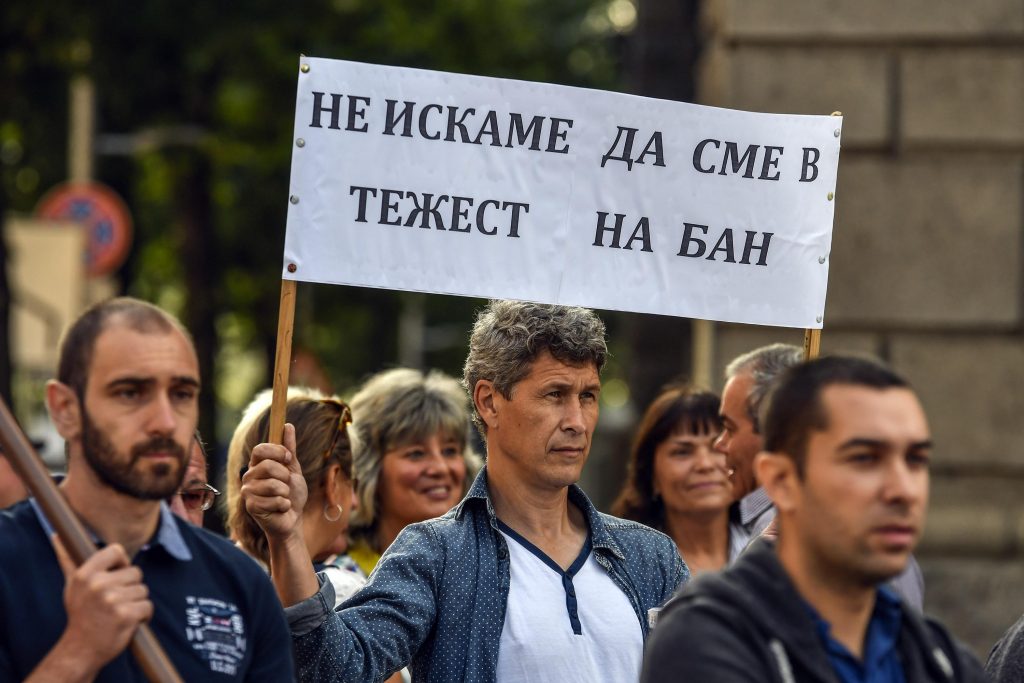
x: 64, y: 409
x: 777, y: 474
x: 483, y: 399
x: 334, y: 486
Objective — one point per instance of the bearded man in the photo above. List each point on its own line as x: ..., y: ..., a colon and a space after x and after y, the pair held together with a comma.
x: 126, y: 403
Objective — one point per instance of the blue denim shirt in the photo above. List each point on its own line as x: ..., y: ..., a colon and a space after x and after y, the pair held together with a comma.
x: 437, y: 597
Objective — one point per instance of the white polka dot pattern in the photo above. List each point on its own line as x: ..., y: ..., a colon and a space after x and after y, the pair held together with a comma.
x: 436, y: 600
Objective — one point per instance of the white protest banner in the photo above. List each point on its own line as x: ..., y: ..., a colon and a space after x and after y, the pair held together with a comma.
x: 436, y: 182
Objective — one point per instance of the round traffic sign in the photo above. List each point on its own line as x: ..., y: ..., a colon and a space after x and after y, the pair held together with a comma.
x: 104, y: 216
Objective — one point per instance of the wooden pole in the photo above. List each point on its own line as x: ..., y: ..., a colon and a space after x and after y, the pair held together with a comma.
x: 148, y: 653
x: 282, y: 359
x: 703, y: 340
x: 812, y: 343
x: 81, y: 128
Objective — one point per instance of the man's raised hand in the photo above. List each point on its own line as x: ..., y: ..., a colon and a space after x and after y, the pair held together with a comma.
x: 274, y: 490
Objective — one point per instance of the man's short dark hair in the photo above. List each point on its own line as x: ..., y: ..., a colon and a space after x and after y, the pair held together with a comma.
x: 509, y: 335
x: 78, y: 343
x: 794, y: 408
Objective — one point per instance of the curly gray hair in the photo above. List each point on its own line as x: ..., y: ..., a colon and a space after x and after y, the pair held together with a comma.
x: 764, y: 365
x: 508, y: 335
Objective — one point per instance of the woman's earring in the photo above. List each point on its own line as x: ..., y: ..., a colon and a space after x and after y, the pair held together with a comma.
x: 336, y: 517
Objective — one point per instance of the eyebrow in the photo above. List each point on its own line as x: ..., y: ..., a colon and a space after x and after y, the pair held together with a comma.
x: 143, y: 381
x: 857, y: 442
x: 563, y: 385
x: 187, y: 380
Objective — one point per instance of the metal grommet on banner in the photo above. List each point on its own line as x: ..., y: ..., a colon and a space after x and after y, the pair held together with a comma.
x: 293, y: 199
x: 818, y: 318
x: 836, y: 133
x: 300, y: 142
x: 830, y: 195
x: 304, y: 68
x: 821, y: 260
x: 292, y: 267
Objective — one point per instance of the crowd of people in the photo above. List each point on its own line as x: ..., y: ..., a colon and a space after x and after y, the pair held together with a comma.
x: 764, y: 535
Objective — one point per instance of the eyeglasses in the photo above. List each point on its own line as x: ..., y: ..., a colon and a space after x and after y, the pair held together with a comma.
x: 344, y: 419
x: 198, y: 497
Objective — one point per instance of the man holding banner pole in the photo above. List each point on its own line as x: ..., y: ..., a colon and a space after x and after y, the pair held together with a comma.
x: 126, y: 402
x: 523, y: 580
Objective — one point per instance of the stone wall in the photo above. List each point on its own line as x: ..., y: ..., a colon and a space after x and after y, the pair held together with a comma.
x: 927, y: 263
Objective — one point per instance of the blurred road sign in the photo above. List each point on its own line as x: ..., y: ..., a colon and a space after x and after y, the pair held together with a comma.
x: 104, y: 216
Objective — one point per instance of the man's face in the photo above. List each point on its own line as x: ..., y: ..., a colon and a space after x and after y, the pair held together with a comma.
x: 860, y: 507
x: 188, y: 505
x: 544, y: 430
x: 738, y: 440
x: 140, y: 410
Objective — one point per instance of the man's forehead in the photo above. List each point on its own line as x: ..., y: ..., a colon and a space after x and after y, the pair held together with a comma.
x: 545, y: 366
x: 735, y: 394
x: 856, y: 411
x: 122, y: 350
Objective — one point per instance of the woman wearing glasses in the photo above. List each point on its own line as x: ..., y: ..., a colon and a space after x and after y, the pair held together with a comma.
x: 325, y: 453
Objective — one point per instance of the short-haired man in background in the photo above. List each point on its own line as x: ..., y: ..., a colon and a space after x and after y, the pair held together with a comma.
x: 846, y: 464
x: 524, y: 580
x: 748, y: 379
x: 195, y: 496
x: 126, y: 402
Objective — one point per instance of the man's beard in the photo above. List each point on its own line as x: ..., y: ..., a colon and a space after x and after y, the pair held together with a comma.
x: 119, y: 472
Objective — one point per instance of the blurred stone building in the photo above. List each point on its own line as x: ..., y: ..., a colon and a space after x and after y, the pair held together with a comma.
x: 927, y: 263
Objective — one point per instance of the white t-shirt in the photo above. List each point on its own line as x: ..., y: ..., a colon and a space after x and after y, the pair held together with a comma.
x: 568, y: 626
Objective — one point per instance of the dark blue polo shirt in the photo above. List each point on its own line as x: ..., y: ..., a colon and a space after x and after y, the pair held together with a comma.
x: 215, y: 611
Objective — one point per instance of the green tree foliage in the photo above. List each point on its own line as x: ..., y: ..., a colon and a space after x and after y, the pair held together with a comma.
x: 203, y: 95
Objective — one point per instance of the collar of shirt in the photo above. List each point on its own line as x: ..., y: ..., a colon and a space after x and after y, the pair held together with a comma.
x: 753, y: 505
x: 601, y: 538
x: 880, y: 659
x: 168, y: 536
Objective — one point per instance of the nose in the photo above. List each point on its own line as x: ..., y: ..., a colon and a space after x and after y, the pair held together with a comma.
x: 707, y: 459
x: 573, y: 419
x: 162, y: 417
x: 721, y: 444
x: 902, y: 484
x: 433, y: 462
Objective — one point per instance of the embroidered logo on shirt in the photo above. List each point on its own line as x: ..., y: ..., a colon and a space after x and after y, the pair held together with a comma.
x: 217, y: 632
